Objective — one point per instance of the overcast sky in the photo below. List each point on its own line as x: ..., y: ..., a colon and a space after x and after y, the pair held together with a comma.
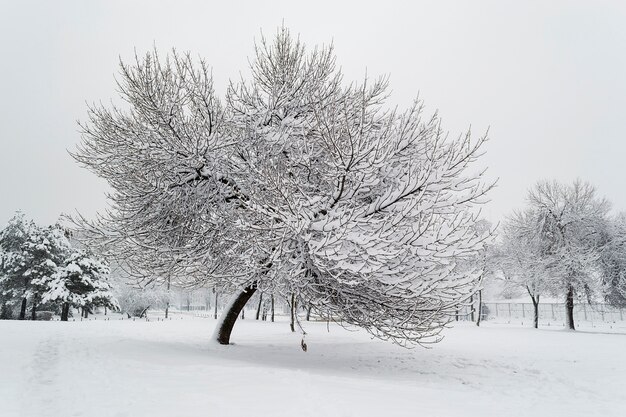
x: 548, y: 78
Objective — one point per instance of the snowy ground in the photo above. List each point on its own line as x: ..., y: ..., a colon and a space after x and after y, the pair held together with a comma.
x: 125, y: 368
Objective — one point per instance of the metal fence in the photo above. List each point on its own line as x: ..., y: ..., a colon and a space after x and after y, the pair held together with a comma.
x: 548, y: 312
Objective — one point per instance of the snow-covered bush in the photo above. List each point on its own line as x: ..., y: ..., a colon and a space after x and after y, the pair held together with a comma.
x: 135, y: 302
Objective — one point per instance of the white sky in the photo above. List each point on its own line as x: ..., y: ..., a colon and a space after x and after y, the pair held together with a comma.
x: 549, y: 78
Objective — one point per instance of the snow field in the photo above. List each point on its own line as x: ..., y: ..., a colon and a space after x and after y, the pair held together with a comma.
x: 125, y: 368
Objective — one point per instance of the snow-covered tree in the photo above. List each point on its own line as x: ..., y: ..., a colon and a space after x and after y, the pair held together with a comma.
x: 46, y: 250
x: 563, y: 227
x: 521, y: 260
x: 39, y: 264
x: 80, y: 282
x: 298, y: 184
x: 30, y: 256
x: 13, y: 262
x: 613, y: 261
x: 484, y: 260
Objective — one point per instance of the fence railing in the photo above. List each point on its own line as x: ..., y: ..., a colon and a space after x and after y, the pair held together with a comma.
x: 551, y: 312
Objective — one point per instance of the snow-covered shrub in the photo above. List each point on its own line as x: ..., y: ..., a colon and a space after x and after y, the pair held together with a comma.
x: 136, y: 302
x: 44, y: 315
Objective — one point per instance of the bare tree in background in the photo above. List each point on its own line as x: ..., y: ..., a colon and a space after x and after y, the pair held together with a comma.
x: 564, y: 222
x: 522, y: 259
x: 613, y: 261
x: 298, y: 184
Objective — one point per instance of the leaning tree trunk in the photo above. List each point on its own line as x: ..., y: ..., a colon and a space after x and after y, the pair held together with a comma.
x: 569, y: 308
x: 65, y: 312
x: 23, y: 309
x: 225, y: 325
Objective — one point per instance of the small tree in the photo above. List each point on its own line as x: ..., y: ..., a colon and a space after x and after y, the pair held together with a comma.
x: 521, y: 260
x: 79, y: 283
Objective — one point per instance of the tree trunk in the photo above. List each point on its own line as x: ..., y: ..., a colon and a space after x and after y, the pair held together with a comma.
x: 472, y: 308
x: 272, y: 308
x: 65, y: 312
x: 243, y: 314
x: 535, y: 299
x: 308, y: 313
x: 23, y: 309
x: 258, y: 307
x: 569, y: 308
x: 215, y: 311
x: 293, y: 312
x: 105, y: 310
x: 536, y: 312
x: 228, y: 318
x: 33, y: 311
x: 480, y: 307
x: 167, y: 304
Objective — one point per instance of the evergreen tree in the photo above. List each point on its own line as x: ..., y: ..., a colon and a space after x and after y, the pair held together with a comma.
x: 14, y: 261
x: 45, y: 250
x: 81, y: 283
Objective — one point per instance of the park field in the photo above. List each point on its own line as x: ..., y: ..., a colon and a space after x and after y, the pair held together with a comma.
x: 119, y: 368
